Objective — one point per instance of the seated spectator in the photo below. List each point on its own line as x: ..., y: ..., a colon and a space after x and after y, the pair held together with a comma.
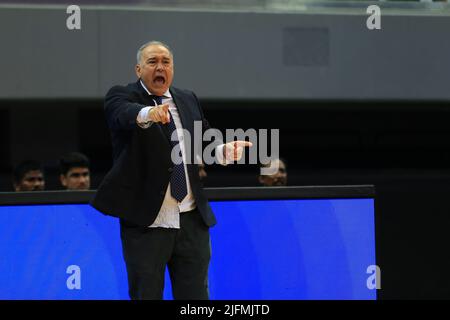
x: 75, y: 173
x: 279, y: 178
x: 28, y: 176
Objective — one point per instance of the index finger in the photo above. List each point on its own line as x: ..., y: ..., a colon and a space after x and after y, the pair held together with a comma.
x: 241, y: 143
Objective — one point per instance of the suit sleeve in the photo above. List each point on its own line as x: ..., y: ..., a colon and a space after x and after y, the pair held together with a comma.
x: 121, y: 113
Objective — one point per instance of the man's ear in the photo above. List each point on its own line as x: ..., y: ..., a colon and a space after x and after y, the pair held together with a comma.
x: 62, y: 178
x: 137, y: 69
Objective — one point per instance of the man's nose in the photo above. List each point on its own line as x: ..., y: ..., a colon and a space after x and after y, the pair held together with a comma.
x: 159, y: 67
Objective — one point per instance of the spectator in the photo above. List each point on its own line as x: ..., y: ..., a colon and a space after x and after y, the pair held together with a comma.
x: 75, y: 173
x: 279, y: 178
x: 28, y: 176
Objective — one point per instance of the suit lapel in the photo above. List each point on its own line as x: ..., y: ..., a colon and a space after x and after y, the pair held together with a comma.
x: 183, y: 110
x: 145, y: 98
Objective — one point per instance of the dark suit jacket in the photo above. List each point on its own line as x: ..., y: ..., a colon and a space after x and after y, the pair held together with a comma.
x: 135, y: 187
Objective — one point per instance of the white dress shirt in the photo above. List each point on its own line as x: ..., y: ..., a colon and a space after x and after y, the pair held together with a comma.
x: 169, y: 214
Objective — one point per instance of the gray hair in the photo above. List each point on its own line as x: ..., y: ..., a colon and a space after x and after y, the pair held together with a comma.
x: 151, y: 43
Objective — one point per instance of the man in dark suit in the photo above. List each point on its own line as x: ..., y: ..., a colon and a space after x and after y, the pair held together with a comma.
x: 164, y: 215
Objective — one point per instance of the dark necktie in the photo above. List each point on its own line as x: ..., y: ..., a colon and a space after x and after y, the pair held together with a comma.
x: 178, y: 186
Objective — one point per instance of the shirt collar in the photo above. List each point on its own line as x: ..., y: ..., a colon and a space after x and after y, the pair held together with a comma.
x: 165, y: 95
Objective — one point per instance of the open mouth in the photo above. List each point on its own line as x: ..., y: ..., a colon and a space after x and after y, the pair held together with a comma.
x: 159, y: 80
